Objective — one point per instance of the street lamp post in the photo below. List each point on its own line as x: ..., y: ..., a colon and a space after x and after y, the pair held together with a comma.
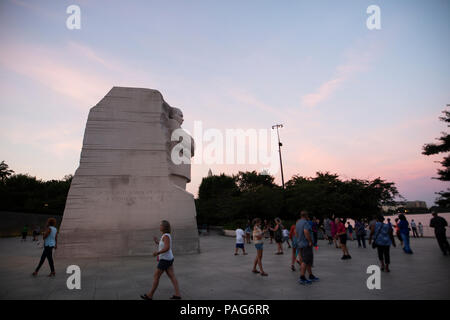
x: 277, y: 126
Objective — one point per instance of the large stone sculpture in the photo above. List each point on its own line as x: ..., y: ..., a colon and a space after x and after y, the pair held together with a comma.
x: 126, y: 182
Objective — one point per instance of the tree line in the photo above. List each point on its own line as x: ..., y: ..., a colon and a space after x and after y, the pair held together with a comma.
x: 25, y: 193
x: 223, y: 199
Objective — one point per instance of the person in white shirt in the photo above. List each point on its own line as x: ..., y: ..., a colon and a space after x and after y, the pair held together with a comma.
x: 240, y: 234
x: 286, y: 237
x: 414, y: 229
x: 165, y: 262
x: 420, y: 227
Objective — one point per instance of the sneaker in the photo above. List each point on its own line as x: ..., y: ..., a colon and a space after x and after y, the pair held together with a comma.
x: 313, y: 278
x: 304, y: 281
x: 344, y: 257
x: 349, y: 257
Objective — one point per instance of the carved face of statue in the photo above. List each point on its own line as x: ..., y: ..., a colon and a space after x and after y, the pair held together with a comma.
x: 176, y: 114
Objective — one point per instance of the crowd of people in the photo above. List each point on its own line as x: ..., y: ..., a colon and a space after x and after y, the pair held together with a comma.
x: 302, y: 238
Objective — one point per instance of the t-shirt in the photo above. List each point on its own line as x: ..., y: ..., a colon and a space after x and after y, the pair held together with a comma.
x: 292, y: 231
x: 240, y: 235
x: 403, y: 226
x: 257, y: 233
x: 340, y: 228
x: 360, y: 228
x: 300, y: 227
x: 413, y: 224
x: 327, y: 225
x: 381, y: 234
x: 285, y: 233
x: 439, y: 224
x: 333, y: 228
x: 50, y: 241
x: 168, y: 255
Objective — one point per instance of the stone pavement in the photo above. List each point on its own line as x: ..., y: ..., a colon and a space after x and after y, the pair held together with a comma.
x: 217, y: 274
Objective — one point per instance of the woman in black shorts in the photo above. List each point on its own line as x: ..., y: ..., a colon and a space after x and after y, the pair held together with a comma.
x: 165, y: 262
x: 278, y: 235
x: 342, y: 235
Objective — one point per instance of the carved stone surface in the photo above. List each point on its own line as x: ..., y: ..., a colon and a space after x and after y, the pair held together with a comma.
x: 126, y: 182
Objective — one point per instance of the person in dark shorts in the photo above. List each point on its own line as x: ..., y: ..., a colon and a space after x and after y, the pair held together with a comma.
x: 165, y: 262
x: 278, y: 235
x: 240, y: 240
x: 341, y: 233
x: 305, y: 245
x: 439, y: 224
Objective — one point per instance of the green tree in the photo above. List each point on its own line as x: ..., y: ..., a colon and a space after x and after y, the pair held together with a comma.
x: 24, y: 193
x: 5, y: 172
x: 250, y: 180
x: 326, y: 195
x: 216, y: 201
x: 443, y: 146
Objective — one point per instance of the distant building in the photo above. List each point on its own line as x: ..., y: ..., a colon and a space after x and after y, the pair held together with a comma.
x: 416, y: 204
x: 408, y: 207
x: 210, y: 173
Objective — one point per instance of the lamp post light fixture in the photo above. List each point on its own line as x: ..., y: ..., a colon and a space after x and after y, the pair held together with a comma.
x: 277, y: 126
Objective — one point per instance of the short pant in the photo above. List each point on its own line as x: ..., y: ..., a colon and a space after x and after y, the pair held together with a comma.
x: 307, y: 256
x: 165, y: 264
x: 259, y: 246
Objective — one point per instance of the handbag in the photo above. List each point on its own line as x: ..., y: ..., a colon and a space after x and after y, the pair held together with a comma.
x: 376, y: 237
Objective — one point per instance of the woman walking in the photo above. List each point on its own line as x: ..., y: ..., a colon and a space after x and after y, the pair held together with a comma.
x: 383, y: 239
x: 341, y: 232
x: 50, y: 243
x: 165, y: 262
x: 403, y: 226
x: 258, y: 241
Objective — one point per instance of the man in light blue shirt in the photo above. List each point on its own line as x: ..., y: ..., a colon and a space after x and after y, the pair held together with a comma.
x: 305, y: 244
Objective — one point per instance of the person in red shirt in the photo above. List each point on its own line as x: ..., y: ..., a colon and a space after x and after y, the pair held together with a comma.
x: 333, y: 233
x: 397, y: 231
x: 341, y: 232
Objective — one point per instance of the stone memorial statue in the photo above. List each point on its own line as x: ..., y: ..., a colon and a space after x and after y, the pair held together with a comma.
x: 126, y: 182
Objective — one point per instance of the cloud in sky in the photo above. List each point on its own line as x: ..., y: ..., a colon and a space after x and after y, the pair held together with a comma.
x: 357, y: 60
x: 54, y: 69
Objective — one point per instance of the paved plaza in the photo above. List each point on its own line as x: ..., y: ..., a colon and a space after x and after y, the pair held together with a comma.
x: 217, y: 274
